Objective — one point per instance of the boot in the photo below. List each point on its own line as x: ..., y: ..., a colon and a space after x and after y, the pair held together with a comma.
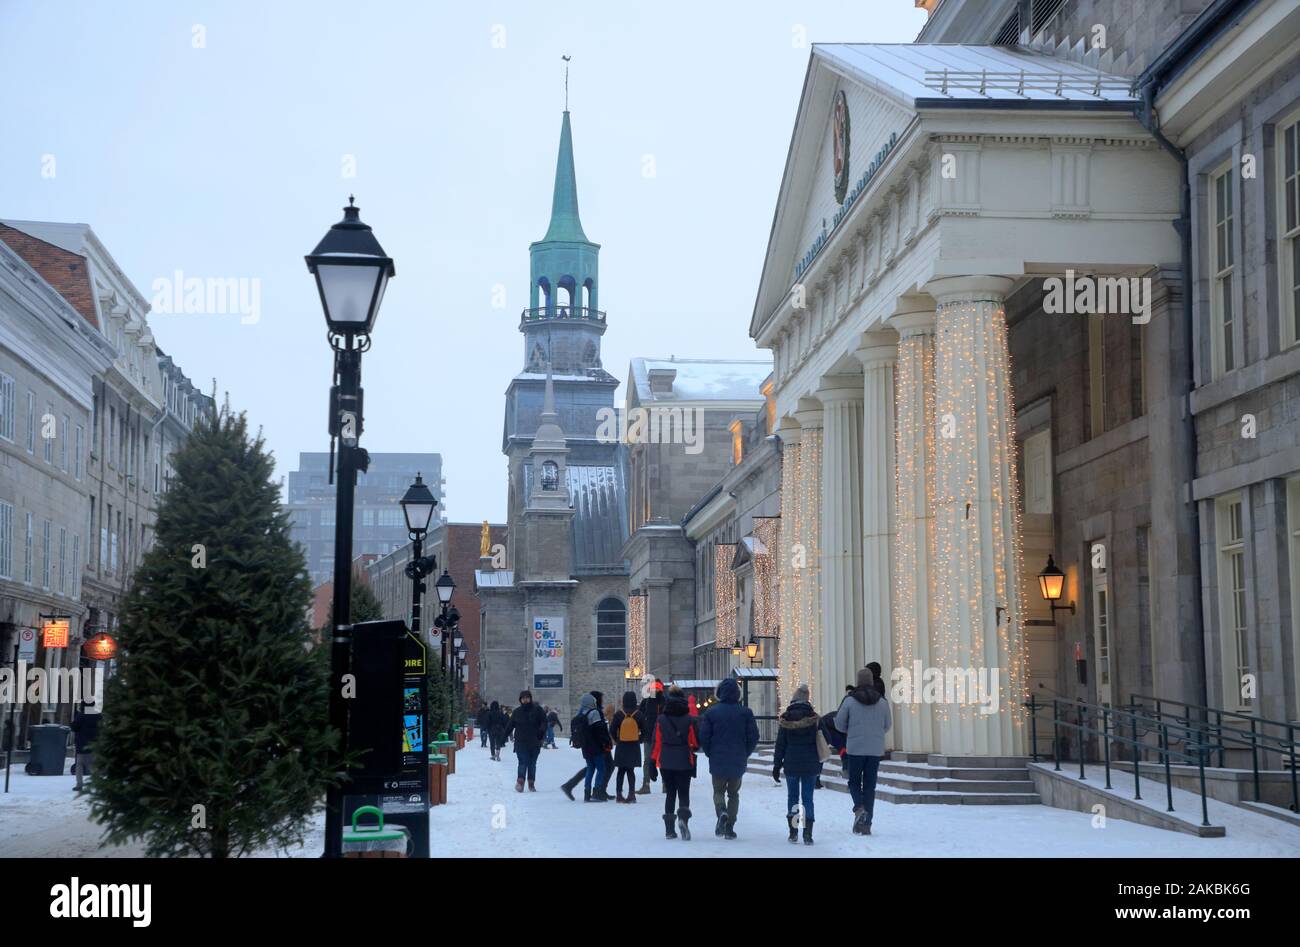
x: 631, y: 796
x: 519, y: 784
x: 668, y: 827
x: 618, y: 796
x: 532, y: 785
x: 598, y: 794
x: 586, y: 794
x: 794, y: 830
x: 722, y: 823
x: 729, y: 831
x: 859, y: 821
x: 567, y: 789
x: 684, y: 824
x: 807, y: 832
x: 645, y: 786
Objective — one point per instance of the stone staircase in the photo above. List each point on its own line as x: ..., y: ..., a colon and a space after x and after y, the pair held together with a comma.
x: 931, y: 778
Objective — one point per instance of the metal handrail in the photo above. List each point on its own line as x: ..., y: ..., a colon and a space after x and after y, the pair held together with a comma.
x: 1021, y: 81
x: 1196, y: 751
x: 559, y: 311
x: 1252, y: 737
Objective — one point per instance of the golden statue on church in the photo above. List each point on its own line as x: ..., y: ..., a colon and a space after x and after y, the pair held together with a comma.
x: 485, y: 541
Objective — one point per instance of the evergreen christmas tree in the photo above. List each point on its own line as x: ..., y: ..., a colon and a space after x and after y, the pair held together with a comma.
x: 215, y: 738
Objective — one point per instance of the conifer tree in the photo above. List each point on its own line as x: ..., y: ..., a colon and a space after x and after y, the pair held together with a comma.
x: 215, y: 738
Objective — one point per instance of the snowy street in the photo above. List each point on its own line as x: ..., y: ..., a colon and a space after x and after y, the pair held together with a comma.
x: 42, y: 817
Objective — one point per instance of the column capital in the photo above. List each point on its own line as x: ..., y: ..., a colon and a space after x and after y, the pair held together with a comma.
x: 958, y: 289
x: 877, y: 349
x: 914, y: 314
x: 809, y: 413
x: 788, y: 430
x: 839, y: 388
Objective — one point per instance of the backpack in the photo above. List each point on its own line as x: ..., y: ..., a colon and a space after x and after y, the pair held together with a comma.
x: 578, y: 730
x: 629, y: 731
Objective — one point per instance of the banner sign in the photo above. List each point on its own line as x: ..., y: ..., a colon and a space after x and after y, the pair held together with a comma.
x: 548, y: 652
x: 54, y: 633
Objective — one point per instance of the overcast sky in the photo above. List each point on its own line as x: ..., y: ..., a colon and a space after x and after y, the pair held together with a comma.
x: 217, y: 138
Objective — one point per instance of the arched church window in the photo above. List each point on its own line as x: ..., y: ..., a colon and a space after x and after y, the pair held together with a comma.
x: 550, y: 476
x: 611, y: 630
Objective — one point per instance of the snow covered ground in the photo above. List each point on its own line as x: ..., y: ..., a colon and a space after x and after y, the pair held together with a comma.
x: 41, y: 817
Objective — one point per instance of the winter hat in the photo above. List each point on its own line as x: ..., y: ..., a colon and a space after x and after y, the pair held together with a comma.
x: 801, y: 693
x: 523, y: 694
x: 587, y: 703
x: 599, y: 697
x: 495, y: 706
x: 866, y: 678
x: 629, y: 700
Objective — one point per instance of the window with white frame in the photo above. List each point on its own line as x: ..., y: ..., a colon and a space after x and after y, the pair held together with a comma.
x: 1222, y: 271
x: 76, y: 565
x: 63, y: 560
x: 31, y: 422
x: 1288, y: 230
x: 48, y: 436
x: 1101, y: 626
x: 28, y: 537
x: 6, y: 540
x: 1293, y: 551
x: 80, y: 445
x: 45, y: 557
x: 6, y: 407
x: 1233, y: 632
x: 64, y: 433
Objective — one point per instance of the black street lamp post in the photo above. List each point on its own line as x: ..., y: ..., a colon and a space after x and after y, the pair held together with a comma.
x: 447, y: 622
x: 417, y: 507
x: 351, y: 271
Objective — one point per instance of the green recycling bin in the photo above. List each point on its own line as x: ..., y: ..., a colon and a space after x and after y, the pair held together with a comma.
x: 373, y: 840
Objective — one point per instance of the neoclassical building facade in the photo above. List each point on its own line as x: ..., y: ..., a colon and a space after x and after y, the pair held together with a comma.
x: 925, y: 186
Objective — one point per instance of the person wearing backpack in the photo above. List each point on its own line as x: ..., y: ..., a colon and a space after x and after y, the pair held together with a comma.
x: 577, y: 731
x: 676, y: 740
x: 798, y: 753
x: 627, y: 730
x: 728, y: 735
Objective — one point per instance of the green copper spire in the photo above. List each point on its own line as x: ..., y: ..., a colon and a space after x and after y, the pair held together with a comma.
x: 565, y: 224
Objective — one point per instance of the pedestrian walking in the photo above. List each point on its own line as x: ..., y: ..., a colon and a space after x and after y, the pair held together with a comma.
x: 797, y: 754
x: 528, y: 727
x: 864, y: 719
x: 552, y: 723
x: 482, y: 722
x: 608, y: 712
x: 627, y: 731
x: 497, y: 723
x: 874, y: 668
x: 652, y: 705
x: 85, y: 729
x: 728, y: 735
x: 835, y: 741
x: 676, y: 740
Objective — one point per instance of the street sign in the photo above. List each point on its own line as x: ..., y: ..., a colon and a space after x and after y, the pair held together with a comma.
x: 27, y: 644
x: 54, y: 633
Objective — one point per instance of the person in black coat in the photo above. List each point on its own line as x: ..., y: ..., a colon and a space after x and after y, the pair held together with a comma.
x: 676, y: 740
x: 728, y: 736
x: 796, y: 753
x: 627, y: 731
x: 878, y: 680
x: 552, y: 722
x: 589, y: 732
x: 481, y: 721
x: 651, y: 707
x: 85, y: 727
x: 497, y: 723
x: 528, y: 725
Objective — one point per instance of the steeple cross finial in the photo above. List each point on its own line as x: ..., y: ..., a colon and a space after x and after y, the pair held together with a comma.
x: 566, y: 80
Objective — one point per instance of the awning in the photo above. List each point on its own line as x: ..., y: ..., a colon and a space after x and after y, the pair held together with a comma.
x: 756, y: 674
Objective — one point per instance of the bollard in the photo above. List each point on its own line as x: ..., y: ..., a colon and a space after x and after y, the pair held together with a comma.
x: 373, y: 840
x: 437, y: 779
x: 460, y: 738
x: 448, y: 749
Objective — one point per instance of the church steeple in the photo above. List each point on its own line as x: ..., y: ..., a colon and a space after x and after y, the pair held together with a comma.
x: 565, y: 223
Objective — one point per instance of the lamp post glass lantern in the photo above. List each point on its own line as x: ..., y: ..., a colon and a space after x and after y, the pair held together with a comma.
x: 1051, y: 582
x: 351, y: 272
x: 418, y: 504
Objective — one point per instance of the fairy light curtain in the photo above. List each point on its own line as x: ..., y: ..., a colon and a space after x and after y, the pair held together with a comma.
x: 724, y: 595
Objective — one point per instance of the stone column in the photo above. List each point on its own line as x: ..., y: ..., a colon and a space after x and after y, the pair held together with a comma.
x: 913, y: 521
x: 877, y: 354
x: 841, y: 536
x: 807, y: 555
x: 791, y: 615
x: 976, y: 582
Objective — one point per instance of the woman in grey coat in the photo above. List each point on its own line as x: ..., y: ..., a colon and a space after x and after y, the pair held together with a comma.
x: 864, y: 719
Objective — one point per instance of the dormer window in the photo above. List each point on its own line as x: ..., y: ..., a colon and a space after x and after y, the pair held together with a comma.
x: 550, y: 476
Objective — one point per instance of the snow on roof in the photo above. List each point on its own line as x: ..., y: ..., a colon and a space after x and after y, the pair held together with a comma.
x: 500, y: 579
x: 699, y: 379
x: 942, y: 73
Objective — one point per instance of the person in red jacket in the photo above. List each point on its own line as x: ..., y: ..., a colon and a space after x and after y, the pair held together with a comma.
x: 676, y: 741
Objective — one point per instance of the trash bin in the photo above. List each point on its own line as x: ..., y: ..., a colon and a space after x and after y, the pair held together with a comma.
x: 437, y: 779
x: 373, y: 840
x: 49, y: 749
x: 460, y: 738
x: 448, y: 749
